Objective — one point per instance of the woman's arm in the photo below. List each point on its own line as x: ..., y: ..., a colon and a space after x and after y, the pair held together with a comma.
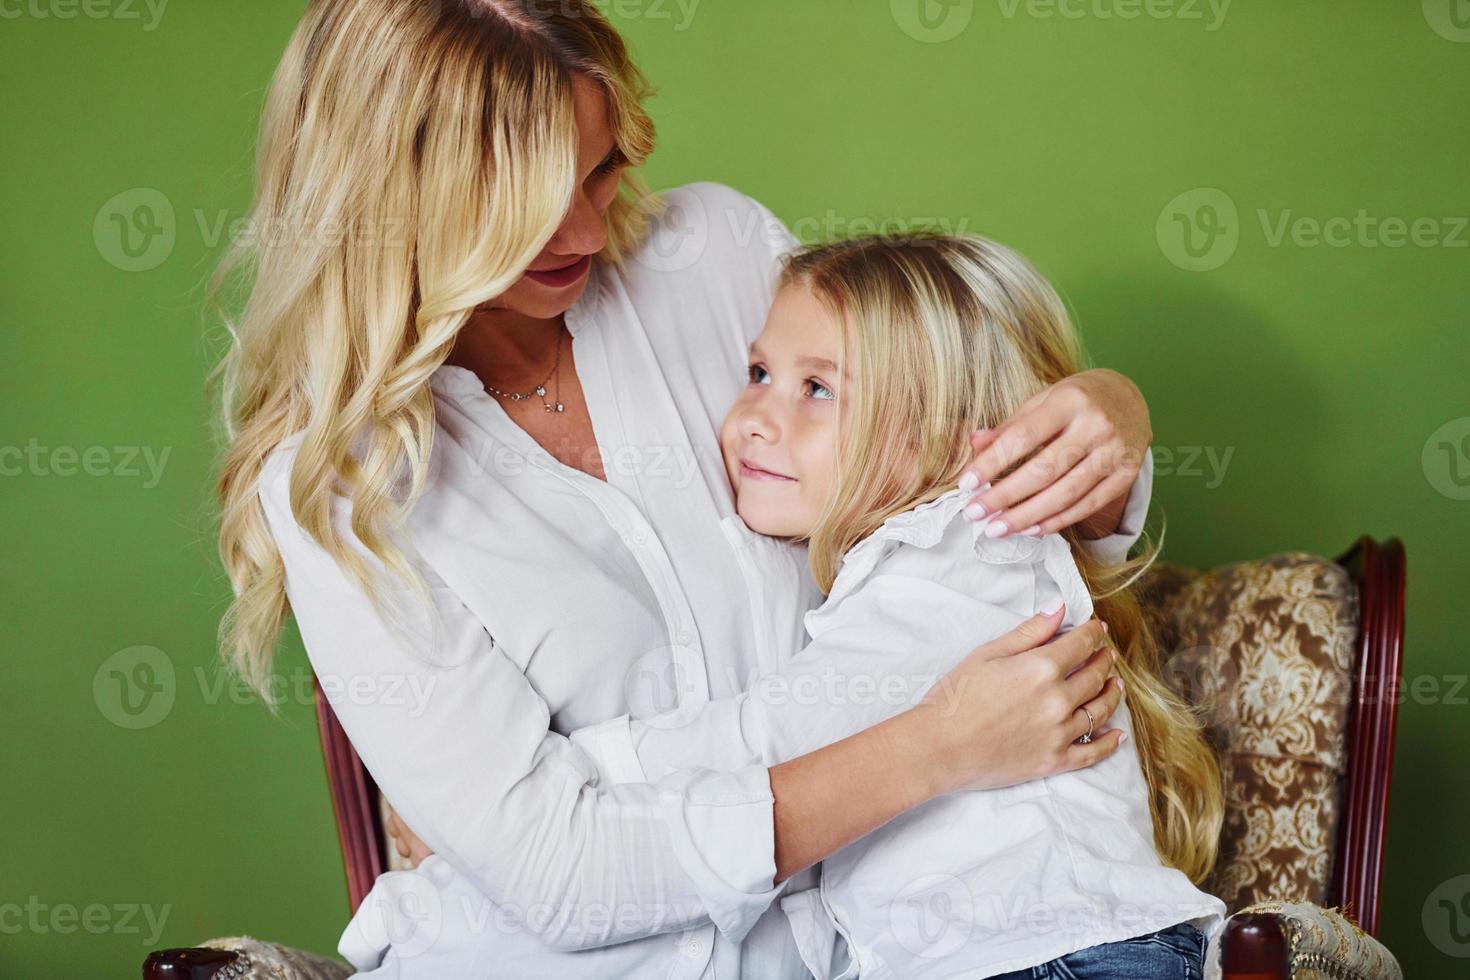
x: 459, y: 740
x: 1006, y: 714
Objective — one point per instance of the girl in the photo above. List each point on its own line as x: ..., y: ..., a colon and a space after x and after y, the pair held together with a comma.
x: 876, y: 353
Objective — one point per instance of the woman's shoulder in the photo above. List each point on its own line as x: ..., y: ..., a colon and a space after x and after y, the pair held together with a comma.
x: 273, y: 486
x: 733, y: 217
x: 301, y: 548
x: 708, y: 227
x: 707, y: 267
x: 274, y: 481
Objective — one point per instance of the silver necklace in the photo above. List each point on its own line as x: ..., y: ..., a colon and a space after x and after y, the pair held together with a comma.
x: 540, y: 390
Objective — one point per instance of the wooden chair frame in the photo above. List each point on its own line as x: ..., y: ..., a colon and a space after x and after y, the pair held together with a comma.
x: 1255, y: 946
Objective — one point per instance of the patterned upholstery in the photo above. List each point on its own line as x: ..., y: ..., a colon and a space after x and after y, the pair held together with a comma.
x: 267, y: 961
x: 1266, y: 649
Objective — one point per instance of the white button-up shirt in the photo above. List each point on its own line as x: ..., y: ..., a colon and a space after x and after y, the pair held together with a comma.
x: 567, y: 603
x: 975, y: 883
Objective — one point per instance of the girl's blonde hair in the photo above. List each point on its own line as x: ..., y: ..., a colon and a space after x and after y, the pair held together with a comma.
x: 414, y: 158
x: 944, y: 334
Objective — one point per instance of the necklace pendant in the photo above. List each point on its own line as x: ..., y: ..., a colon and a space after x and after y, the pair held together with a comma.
x: 541, y: 390
x: 560, y: 407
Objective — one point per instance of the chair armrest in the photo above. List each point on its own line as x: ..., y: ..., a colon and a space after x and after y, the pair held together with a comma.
x: 197, y: 963
x: 1283, y: 940
x: 1253, y: 946
x: 241, y: 958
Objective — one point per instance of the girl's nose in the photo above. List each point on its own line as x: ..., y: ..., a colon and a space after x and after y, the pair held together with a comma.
x: 756, y: 422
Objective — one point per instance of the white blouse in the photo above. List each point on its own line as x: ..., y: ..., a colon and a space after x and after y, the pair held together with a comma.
x: 974, y: 883
x: 563, y: 603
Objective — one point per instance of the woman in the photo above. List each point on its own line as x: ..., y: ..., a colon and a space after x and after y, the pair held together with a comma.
x: 473, y: 409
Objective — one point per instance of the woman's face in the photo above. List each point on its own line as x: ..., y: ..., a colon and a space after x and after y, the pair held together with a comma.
x: 779, y: 439
x: 557, y: 276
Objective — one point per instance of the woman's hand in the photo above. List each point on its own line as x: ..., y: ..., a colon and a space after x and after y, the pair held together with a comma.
x: 1091, y: 431
x: 1012, y: 710
x: 405, y: 841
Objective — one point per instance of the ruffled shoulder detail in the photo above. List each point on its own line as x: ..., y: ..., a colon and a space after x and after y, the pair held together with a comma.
x: 925, y: 526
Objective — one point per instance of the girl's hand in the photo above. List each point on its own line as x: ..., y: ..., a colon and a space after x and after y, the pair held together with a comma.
x: 1011, y: 711
x: 1092, y: 430
x: 405, y: 841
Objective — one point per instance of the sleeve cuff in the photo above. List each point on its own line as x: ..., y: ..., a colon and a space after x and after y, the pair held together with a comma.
x: 813, y: 930
x: 1113, y: 549
x: 722, y: 825
x: 610, y: 746
x: 710, y: 736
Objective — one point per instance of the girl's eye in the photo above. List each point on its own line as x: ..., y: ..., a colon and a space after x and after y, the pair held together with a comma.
x: 758, y: 375
x: 820, y: 391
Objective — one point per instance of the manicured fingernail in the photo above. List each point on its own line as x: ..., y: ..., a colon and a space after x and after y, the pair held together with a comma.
x: 1032, y: 531
x: 1104, y: 624
x: 996, y: 529
x: 974, y: 510
x: 1050, y: 609
x: 969, y: 481
x: 1122, y: 738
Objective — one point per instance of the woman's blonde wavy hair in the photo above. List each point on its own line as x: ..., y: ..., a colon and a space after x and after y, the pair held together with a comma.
x: 414, y: 157
x: 946, y: 334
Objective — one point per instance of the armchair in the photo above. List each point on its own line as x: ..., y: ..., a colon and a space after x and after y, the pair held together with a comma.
x: 1293, y: 659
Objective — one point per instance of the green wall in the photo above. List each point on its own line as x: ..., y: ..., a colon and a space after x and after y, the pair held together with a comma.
x: 1325, y: 371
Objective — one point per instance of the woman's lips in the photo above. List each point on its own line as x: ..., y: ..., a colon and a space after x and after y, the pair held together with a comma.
x: 749, y: 472
x: 563, y: 277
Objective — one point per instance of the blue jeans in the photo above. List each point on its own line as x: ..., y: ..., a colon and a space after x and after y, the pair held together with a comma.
x: 1175, y: 953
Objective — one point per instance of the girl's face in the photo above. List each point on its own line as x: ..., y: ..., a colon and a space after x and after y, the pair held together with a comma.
x: 779, y: 440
